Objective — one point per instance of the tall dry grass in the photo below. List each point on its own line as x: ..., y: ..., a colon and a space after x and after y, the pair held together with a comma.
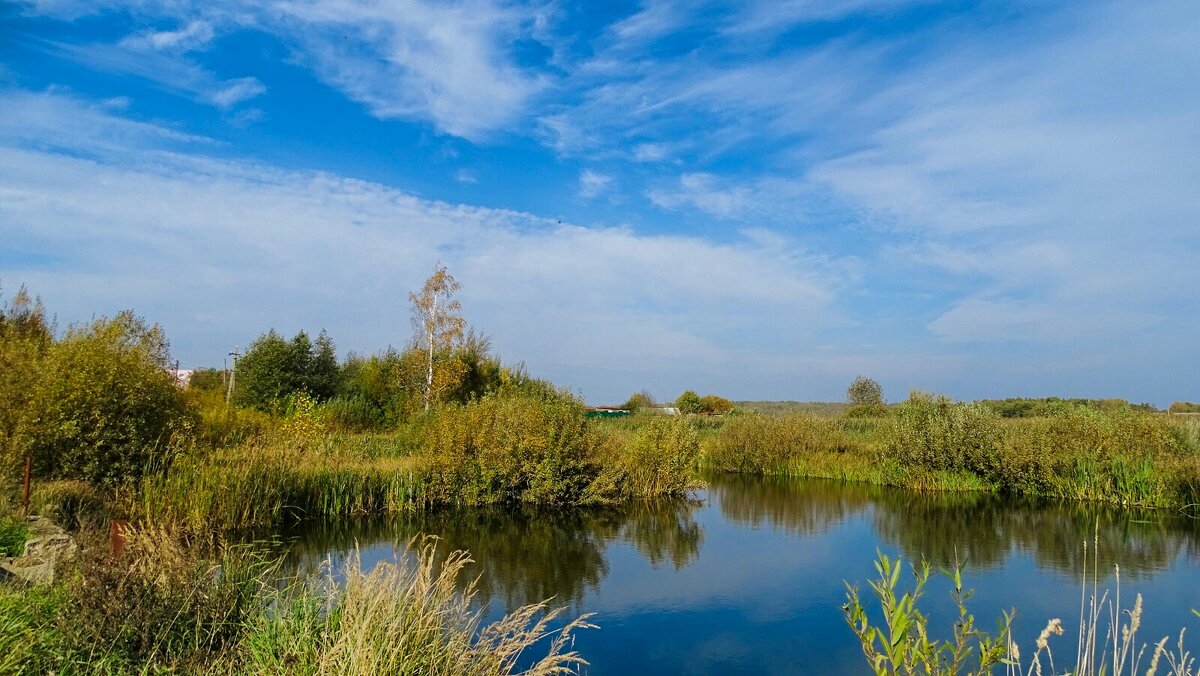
x: 761, y: 444
x: 1106, y: 638
x: 407, y: 617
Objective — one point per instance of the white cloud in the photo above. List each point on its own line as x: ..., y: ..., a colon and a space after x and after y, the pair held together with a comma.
x: 193, y: 35
x: 592, y: 183
x: 234, y: 92
x: 169, y: 71
x: 701, y: 191
x: 444, y: 62
x: 649, y: 152
x: 220, y: 250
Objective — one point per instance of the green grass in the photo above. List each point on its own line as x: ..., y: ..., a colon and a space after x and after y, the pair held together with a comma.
x: 170, y: 606
x: 13, y: 534
x: 1123, y: 456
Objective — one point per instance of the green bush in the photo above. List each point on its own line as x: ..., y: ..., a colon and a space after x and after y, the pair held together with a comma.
x: 770, y: 444
x: 354, y: 413
x: 511, y: 449
x: 661, y: 458
x: 106, y: 407
x: 274, y: 368
x: 935, y: 433
x: 25, y: 336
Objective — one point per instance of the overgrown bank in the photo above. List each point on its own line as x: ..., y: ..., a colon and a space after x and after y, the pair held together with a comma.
x: 1121, y: 455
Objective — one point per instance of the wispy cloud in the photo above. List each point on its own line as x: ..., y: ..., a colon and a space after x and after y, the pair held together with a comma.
x: 443, y: 62
x: 170, y: 71
x: 193, y: 35
x: 265, y: 247
x: 592, y: 183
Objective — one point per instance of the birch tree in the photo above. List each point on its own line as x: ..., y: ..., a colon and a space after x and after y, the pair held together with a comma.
x: 437, y: 327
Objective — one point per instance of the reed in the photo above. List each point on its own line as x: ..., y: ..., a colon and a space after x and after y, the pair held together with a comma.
x: 1106, y: 641
x: 407, y: 617
x: 167, y: 605
x: 268, y: 485
x: 1080, y: 453
x: 762, y: 444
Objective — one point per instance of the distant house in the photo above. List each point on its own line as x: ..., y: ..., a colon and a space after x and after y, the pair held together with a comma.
x: 605, y: 412
x: 664, y: 410
x: 182, y: 376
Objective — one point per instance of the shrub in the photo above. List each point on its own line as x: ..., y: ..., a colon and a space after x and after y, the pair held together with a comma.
x: 638, y: 400
x: 935, y: 433
x: 25, y: 336
x: 688, y: 402
x: 661, y: 458
x: 105, y: 408
x: 353, y: 413
x: 207, y: 380
x: 161, y: 604
x: 512, y: 448
x: 770, y: 444
x: 713, y: 404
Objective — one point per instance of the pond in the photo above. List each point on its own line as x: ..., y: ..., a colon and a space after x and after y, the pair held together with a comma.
x: 748, y: 576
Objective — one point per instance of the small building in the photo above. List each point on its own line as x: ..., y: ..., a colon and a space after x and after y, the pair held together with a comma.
x: 605, y: 412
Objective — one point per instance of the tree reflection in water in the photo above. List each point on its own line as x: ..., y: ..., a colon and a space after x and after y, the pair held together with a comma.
x: 525, y: 555
x: 521, y: 555
x: 978, y: 528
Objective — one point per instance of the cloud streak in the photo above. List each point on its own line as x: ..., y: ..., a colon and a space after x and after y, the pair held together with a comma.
x: 219, y: 250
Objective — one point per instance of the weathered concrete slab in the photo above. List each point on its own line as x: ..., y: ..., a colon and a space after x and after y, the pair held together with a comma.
x: 48, y: 544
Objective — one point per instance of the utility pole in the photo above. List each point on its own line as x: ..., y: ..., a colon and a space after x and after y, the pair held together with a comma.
x: 232, y: 374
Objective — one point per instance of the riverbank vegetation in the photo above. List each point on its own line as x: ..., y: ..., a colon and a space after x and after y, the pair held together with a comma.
x: 164, y: 605
x: 1083, y: 452
x: 1107, y: 640
x: 292, y: 434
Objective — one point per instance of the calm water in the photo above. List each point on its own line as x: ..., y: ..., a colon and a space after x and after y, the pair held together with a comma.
x: 748, y: 576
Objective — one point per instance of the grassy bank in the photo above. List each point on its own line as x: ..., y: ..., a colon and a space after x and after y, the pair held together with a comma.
x: 497, y: 450
x: 1124, y: 456
x: 169, y: 606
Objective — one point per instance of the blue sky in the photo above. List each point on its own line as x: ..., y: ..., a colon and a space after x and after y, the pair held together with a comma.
x: 761, y: 199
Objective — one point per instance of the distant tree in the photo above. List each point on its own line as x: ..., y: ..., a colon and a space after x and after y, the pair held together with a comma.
x: 207, y: 380
x: 322, y: 374
x: 639, y: 400
x: 711, y: 403
x: 478, y: 370
x: 438, y: 328
x: 274, y: 369
x: 688, y: 402
x: 865, y: 397
x: 266, y: 374
x: 25, y: 336
x: 106, y: 406
x: 1184, y: 407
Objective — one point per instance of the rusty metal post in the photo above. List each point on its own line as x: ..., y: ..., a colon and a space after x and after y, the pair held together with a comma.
x: 25, y: 495
x: 116, y: 536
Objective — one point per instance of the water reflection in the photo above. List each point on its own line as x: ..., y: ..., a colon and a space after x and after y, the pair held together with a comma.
x: 982, y: 530
x: 521, y: 555
x: 988, y: 529
x: 525, y: 555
